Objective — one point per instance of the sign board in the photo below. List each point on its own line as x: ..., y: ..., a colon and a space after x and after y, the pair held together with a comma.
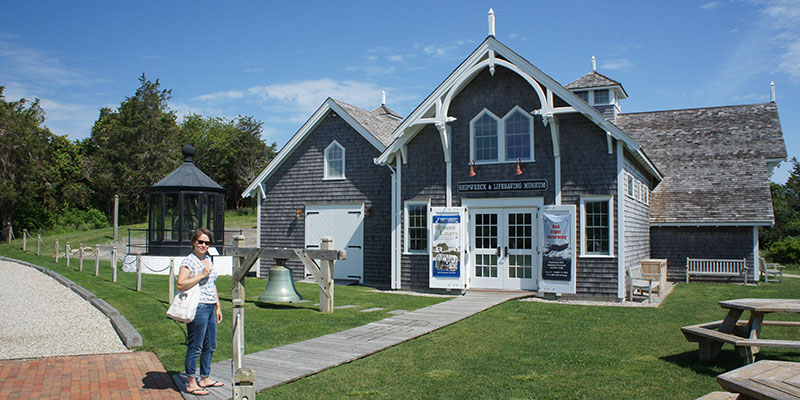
x: 558, y: 249
x: 446, y: 241
x: 502, y: 186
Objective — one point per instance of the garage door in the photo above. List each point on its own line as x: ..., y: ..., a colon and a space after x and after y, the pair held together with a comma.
x: 345, y: 224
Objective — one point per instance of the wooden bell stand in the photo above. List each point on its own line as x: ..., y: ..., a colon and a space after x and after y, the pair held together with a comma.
x: 243, y: 261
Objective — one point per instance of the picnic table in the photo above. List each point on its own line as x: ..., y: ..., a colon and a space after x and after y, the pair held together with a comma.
x: 765, y: 379
x: 744, y: 335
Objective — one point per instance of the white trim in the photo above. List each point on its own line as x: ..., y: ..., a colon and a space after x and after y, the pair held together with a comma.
x: 433, y: 105
x: 472, y: 148
x: 258, y: 228
x: 326, y: 175
x: 698, y: 224
x: 610, y: 203
x: 397, y: 258
x: 503, y: 202
x: 620, y: 225
x: 427, y: 205
x: 328, y: 105
x: 756, y: 254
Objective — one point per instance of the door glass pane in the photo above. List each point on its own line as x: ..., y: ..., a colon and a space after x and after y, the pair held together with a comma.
x: 520, y: 231
x: 485, y: 231
x: 520, y: 266
x: 191, y: 215
x: 171, y: 217
x: 486, y: 265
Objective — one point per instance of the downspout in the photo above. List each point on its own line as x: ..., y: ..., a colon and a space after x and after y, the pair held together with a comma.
x: 756, y: 254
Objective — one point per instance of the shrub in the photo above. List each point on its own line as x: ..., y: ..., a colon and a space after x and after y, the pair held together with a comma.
x: 786, y: 250
x: 82, y: 219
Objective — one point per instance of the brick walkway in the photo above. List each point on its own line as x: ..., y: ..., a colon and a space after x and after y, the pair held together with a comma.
x: 136, y: 375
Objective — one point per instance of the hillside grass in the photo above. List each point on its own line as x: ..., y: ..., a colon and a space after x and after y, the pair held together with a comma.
x: 518, y: 350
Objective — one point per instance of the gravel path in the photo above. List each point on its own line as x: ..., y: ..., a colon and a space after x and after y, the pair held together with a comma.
x: 39, y: 317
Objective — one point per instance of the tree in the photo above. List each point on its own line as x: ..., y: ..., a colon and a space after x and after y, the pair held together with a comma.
x: 229, y: 151
x: 782, y: 241
x: 132, y: 148
x: 24, y: 182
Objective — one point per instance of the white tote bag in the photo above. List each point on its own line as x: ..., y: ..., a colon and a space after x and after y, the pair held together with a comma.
x: 184, y: 305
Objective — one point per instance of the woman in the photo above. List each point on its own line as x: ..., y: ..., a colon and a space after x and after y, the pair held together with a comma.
x: 197, y: 269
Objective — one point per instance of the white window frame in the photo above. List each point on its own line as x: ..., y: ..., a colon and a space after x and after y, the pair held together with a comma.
x: 508, y: 115
x: 629, y: 180
x: 610, y: 202
x: 500, y: 141
x: 406, y: 225
x: 501, y: 136
x: 327, y: 175
x: 594, y: 98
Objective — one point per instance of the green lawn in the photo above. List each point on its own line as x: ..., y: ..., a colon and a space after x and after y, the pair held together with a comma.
x: 518, y: 350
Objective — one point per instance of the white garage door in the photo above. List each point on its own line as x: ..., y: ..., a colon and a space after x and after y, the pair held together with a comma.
x: 345, y: 224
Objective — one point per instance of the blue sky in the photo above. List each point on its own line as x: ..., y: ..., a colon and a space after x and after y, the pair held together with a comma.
x: 278, y: 61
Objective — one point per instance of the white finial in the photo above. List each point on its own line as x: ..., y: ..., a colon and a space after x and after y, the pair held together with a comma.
x: 491, y: 22
x: 772, y: 91
x: 594, y: 64
x: 383, y: 97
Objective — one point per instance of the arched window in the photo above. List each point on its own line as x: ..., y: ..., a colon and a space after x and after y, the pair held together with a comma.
x: 334, y: 161
x: 484, y: 137
x: 518, y: 138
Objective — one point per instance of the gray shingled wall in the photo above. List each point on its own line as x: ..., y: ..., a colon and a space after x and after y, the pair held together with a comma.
x: 298, y: 182
x: 637, y: 220
x: 677, y: 243
x: 588, y: 169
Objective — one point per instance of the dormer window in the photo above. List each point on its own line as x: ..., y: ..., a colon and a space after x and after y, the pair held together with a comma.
x: 601, y: 96
x: 334, y: 161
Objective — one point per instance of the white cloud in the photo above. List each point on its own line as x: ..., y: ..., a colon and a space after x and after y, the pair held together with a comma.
x: 710, y: 5
x: 31, y: 64
x: 223, y: 95
x: 618, y: 65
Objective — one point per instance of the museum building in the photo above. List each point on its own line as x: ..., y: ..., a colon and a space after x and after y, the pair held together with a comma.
x: 502, y: 178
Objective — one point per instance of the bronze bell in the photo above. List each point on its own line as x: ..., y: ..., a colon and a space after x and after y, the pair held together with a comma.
x: 280, y: 286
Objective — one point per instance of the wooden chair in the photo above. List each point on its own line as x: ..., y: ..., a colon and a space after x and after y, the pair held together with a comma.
x: 771, y: 270
x: 640, y: 282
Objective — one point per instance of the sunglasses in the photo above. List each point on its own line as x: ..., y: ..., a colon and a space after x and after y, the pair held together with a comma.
x: 207, y: 243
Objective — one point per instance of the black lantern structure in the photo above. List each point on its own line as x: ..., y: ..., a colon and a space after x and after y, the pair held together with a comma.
x: 183, y: 201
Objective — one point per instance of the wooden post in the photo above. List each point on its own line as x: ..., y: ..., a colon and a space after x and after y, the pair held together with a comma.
x: 171, y: 279
x: 238, y: 311
x: 138, y: 272
x: 67, y: 253
x: 114, y: 265
x: 38, y: 244
x: 10, y: 233
x: 56, y: 247
x: 326, y: 292
x: 24, y: 239
x: 116, y: 217
x: 80, y: 257
x: 96, y: 260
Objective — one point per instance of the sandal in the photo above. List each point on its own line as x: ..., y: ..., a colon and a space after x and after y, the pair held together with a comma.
x: 213, y: 384
x: 198, y: 392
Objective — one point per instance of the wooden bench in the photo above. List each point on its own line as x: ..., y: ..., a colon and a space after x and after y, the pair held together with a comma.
x: 771, y: 269
x: 642, y: 282
x: 716, y: 268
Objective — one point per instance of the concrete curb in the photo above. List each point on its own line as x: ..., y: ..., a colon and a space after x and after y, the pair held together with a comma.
x: 129, y: 335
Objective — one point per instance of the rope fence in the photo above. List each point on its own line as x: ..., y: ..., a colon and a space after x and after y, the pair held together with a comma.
x: 83, y: 253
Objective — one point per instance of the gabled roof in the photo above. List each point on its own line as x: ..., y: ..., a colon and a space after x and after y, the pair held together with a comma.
x: 593, y: 80
x: 371, y: 125
x: 492, y: 52
x: 714, y: 162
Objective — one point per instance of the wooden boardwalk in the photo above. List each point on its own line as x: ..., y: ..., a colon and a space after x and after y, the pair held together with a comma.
x: 274, y: 367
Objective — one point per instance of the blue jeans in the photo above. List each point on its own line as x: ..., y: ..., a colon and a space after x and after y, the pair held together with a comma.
x: 202, y: 340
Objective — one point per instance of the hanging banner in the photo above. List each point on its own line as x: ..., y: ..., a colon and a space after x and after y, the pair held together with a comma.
x: 446, y: 247
x: 558, y: 249
x: 557, y: 256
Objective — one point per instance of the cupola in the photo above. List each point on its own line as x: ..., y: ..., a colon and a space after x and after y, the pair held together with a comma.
x: 599, y: 91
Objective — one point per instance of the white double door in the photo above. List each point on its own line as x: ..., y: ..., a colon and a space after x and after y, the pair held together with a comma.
x: 345, y: 224
x: 503, y: 248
